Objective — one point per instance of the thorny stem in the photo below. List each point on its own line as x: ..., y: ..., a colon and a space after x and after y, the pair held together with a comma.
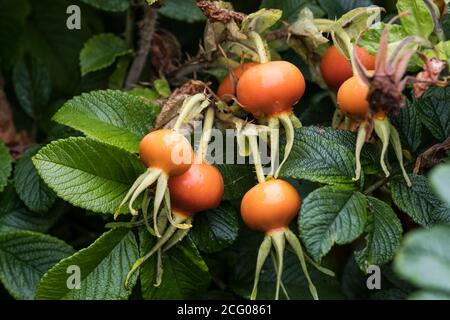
x: 260, y: 47
x: 145, y: 39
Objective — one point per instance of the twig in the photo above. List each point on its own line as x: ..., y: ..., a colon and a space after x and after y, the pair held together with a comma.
x: 145, y: 39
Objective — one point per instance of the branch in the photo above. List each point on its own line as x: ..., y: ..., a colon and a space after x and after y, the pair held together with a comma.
x: 145, y: 39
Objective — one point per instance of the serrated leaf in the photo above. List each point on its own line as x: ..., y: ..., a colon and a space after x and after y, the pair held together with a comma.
x: 434, y: 112
x: 419, y: 22
x: 13, y: 16
x: 419, y: 201
x: 24, y: 257
x: 14, y: 215
x: 238, y: 179
x: 331, y: 215
x: 336, y: 8
x: 185, y: 273
x: 409, y: 126
x: 109, y: 5
x: 88, y: 173
x: 371, y: 38
x: 32, y: 85
x: 5, y: 165
x: 215, y: 229
x: 110, y: 116
x: 322, y: 155
x: 384, y: 234
x: 103, y: 268
x: 101, y: 51
x: 424, y: 259
x: 31, y: 189
x: 440, y: 177
x: 184, y: 10
x: 358, y: 20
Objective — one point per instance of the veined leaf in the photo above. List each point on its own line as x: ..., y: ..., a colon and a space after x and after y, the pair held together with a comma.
x: 88, y: 173
x: 101, y: 51
x: 331, y: 215
x: 384, y: 233
x: 419, y: 22
x: 419, y: 201
x: 24, y: 257
x: 103, y: 267
x: 184, y: 10
x: 30, y: 187
x: 110, y: 116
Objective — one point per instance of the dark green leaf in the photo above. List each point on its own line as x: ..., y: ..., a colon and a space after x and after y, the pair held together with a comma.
x: 5, y: 165
x: 103, y: 268
x: 111, y: 116
x: 424, y: 259
x: 440, y: 177
x: 101, y: 51
x: 24, y: 257
x: 13, y: 16
x: 384, y: 233
x: 88, y: 173
x: 419, y: 201
x: 32, y: 85
x: 184, y: 10
x: 409, y: 126
x: 238, y: 180
x: 14, y: 215
x: 324, y: 155
x: 215, y: 229
x: 109, y: 5
x: 434, y: 110
x: 36, y: 195
x: 185, y: 273
x: 331, y: 215
x: 291, y: 8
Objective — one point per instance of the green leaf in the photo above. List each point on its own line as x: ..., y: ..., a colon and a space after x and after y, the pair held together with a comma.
x: 24, y: 257
x: 5, y: 165
x: 32, y: 85
x: 430, y: 295
x: 117, y: 78
x: 110, y: 116
x: 440, y: 177
x: 215, y: 229
x: 238, y: 179
x: 109, y: 5
x: 14, y: 215
x: 336, y: 8
x: 185, y: 273
x: 87, y: 173
x: 103, y: 268
x: 323, y: 155
x: 434, y: 111
x: 424, y: 259
x: 371, y: 38
x: 36, y: 195
x: 409, y: 126
x: 146, y: 93
x: 331, y: 215
x: 101, y: 51
x: 384, y: 234
x: 13, y: 16
x: 183, y: 10
x: 419, y: 22
x: 419, y: 201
